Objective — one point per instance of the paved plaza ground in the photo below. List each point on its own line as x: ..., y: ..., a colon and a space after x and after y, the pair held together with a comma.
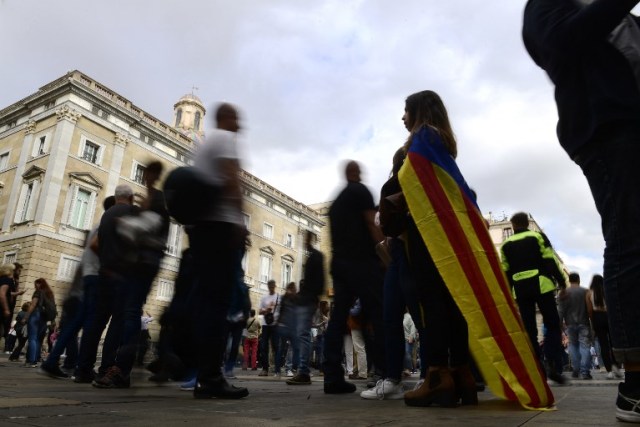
x: 30, y: 399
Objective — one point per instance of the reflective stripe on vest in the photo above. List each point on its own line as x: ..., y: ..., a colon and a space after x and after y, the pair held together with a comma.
x: 527, y: 274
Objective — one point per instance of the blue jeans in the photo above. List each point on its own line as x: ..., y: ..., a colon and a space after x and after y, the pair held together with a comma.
x: 304, y: 316
x: 268, y: 335
x: 68, y: 338
x: 611, y: 164
x: 36, y: 329
x: 579, y: 348
x: 285, y: 334
x: 399, y: 292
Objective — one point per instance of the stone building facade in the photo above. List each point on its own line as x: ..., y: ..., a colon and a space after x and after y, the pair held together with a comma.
x: 64, y: 148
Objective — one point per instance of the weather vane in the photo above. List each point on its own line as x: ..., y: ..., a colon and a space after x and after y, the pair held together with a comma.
x: 193, y: 88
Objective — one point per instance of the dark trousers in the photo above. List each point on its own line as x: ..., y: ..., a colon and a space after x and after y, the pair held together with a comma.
x: 611, y: 164
x: 355, y: 278
x: 446, y: 335
x: 215, y: 247
x: 269, y: 335
x: 601, y: 328
x: 101, y: 297
x: 235, y: 335
x: 553, y: 335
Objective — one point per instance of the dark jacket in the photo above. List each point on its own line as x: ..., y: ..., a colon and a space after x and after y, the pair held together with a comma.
x: 312, y: 285
x: 594, y: 82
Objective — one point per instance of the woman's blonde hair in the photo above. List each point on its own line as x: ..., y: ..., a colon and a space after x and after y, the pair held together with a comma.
x: 427, y: 109
x: 7, y: 270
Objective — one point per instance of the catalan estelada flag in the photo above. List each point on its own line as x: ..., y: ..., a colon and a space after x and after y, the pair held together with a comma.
x: 454, y: 231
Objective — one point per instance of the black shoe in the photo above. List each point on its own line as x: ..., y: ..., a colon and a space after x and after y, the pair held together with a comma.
x: 575, y: 374
x: 299, y: 379
x: 219, y: 389
x: 338, y: 387
x: 84, y: 377
x: 628, y: 405
x: 586, y: 376
x: 53, y: 371
x: 556, y: 378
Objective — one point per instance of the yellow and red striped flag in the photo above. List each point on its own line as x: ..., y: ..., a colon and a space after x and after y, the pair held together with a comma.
x: 455, y: 233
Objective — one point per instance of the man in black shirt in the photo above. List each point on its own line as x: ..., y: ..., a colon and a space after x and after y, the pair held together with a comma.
x: 357, y: 273
x: 599, y: 126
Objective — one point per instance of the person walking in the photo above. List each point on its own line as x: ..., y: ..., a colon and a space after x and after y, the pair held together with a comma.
x: 270, y: 310
x: 357, y: 273
x: 597, y: 311
x: 36, y: 323
x: 589, y: 51
x: 572, y: 308
x: 250, y: 345
x: 533, y: 271
x: 311, y: 287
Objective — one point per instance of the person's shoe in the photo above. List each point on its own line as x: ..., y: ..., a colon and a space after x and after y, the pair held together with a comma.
x: 385, y: 390
x: 299, y: 379
x: 113, y: 378
x: 575, y: 374
x: 616, y: 371
x: 189, y: 385
x: 465, y: 384
x: 84, y: 377
x: 219, y: 389
x: 229, y: 374
x: 610, y: 375
x: 254, y: 369
x: 30, y: 365
x: 556, y: 377
x: 14, y: 359
x: 627, y: 405
x: 438, y: 388
x: 263, y: 373
x: 338, y: 387
x: 373, y: 380
x: 586, y: 376
x: 289, y: 373
x: 53, y: 371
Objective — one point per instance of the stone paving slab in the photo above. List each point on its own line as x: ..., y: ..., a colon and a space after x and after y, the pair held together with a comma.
x: 30, y: 399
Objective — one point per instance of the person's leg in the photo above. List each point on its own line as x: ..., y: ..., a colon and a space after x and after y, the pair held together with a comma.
x: 304, y: 314
x: 367, y: 277
x: 33, y: 328
x: 361, y: 354
x: 584, y: 342
x: 601, y: 329
x: 348, y: 353
x: 610, y: 162
x: 246, y: 347
x: 71, y: 324
x: 393, y: 311
x: 15, y: 355
x: 265, y: 340
x: 574, y: 349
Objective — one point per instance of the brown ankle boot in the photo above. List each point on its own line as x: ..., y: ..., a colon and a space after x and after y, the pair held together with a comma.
x: 465, y: 385
x: 438, y: 388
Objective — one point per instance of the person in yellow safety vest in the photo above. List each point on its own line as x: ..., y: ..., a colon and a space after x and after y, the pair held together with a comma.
x: 534, y: 272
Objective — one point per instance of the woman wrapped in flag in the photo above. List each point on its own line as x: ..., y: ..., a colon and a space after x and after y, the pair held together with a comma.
x: 465, y: 298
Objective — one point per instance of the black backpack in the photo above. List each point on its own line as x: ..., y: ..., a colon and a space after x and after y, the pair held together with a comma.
x: 48, y: 309
x: 188, y: 195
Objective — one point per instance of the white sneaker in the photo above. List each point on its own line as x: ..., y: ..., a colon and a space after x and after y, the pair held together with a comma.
x: 290, y: 373
x: 616, y: 371
x: 384, y: 389
x: 418, y: 384
x: 610, y: 375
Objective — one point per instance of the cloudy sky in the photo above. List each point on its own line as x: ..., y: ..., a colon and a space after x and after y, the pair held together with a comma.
x: 320, y: 82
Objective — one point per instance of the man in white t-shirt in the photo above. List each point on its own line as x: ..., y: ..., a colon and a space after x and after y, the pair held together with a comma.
x: 269, y: 305
x: 216, y: 241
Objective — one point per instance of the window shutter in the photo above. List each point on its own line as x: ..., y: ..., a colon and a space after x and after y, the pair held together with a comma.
x: 33, y: 200
x: 88, y: 219
x: 20, y: 205
x: 72, y: 205
x: 36, y: 145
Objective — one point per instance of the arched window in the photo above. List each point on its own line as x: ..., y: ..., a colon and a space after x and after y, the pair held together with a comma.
x: 178, y: 117
x: 196, y: 123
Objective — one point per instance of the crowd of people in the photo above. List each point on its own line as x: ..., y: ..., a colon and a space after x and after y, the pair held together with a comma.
x: 395, y: 290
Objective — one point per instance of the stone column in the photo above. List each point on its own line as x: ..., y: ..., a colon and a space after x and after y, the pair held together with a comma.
x: 56, y: 166
x: 115, y: 168
x: 16, y: 185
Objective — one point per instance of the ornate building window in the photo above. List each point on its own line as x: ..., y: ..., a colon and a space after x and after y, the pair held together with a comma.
x: 40, y: 146
x: 165, y: 290
x: 9, y: 257
x: 80, y: 204
x: 196, y: 122
x: 287, y: 269
x: 289, y: 241
x: 29, y: 193
x: 4, y: 161
x: 137, y: 172
x: 91, y: 151
x: 267, y: 231
x: 178, y: 116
